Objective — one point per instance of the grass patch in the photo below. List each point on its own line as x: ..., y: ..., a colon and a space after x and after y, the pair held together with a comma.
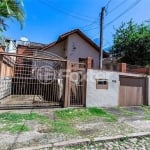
x: 67, y: 118
x: 15, y: 128
x: 14, y: 122
x: 15, y: 117
x: 61, y: 126
x: 64, y: 121
x: 84, y: 114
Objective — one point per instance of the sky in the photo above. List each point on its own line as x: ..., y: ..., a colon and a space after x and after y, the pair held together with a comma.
x: 45, y: 20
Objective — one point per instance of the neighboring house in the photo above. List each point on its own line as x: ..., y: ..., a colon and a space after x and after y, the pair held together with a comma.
x: 20, y: 46
x: 15, y: 66
x: 75, y: 46
x: 28, y: 48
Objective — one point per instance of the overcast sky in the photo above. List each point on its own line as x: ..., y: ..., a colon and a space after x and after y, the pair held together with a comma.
x: 47, y: 19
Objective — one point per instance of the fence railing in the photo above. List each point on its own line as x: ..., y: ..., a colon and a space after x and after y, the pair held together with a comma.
x: 111, y: 67
x: 137, y: 69
x: 123, y: 67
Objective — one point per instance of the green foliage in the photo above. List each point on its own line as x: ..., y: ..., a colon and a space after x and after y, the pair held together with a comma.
x: 10, y: 9
x: 132, y: 44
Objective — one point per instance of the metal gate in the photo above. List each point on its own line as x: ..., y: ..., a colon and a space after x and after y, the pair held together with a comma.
x: 77, y: 84
x: 31, y: 80
x: 132, y: 91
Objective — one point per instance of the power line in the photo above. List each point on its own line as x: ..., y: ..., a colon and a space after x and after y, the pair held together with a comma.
x: 92, y: 28
x: 68, y: 10
x: 107, y: 5
x: 116, y: 18
x: 80, y: 17
x: 124, y: 12
x: 115, y: 8
x: 92, y: 23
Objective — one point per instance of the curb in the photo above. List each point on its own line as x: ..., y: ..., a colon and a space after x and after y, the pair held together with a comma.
x: 118, y: 137
x: 87, y: 141
x: 72, y: 142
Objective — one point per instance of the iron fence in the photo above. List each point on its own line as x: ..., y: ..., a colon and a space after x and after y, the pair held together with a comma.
x: 31, y: 81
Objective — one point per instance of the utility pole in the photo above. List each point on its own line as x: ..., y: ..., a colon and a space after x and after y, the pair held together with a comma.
x: 101, y: 38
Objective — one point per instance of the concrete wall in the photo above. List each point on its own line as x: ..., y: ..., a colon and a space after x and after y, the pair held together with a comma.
x: 102, y: 97
x: 107, y: 97
x: 79, y: 48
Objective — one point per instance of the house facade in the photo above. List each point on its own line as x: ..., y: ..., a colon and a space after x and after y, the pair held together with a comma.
x: 75, y: 46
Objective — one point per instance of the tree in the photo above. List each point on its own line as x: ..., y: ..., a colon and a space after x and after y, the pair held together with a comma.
x: 11, y: 9
x: 132, y: 44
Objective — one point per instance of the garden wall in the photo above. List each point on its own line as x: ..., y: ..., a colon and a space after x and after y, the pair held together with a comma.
x: 107, y: 95
x: 104, y: 89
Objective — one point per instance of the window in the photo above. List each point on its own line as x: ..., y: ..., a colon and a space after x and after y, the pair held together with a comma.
x: 101, y: 84
x: 82, y: 62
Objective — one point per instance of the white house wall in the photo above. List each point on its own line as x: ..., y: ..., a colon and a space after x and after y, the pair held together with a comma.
x: 102, y: 97
x: 79, y: 48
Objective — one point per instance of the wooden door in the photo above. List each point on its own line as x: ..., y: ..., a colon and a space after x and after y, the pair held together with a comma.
x: 132, y: 91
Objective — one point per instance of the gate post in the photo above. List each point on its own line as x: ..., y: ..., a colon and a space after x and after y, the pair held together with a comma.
x: 123, y: 67
x: 1, y: 61
x: 67, y: 85
x: 89, y: 63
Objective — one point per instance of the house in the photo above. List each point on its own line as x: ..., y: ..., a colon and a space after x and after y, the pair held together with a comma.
x: 39, y: 78
x: 28, y: 48
x: 75, y: 46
